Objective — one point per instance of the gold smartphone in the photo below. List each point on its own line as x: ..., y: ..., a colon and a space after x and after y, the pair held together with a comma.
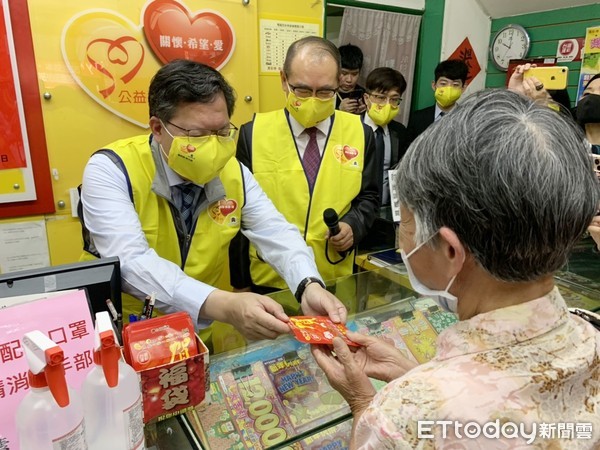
x: 552, y: 77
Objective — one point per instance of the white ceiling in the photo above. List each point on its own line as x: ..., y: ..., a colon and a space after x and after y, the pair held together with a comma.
x: 506, y: 8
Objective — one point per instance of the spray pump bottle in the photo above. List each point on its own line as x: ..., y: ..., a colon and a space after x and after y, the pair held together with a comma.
x: 50, y: 415
x: 112, y: 396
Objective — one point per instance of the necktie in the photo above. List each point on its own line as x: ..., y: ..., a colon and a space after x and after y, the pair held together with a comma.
x: 312, y: 157
x: 188, y: 194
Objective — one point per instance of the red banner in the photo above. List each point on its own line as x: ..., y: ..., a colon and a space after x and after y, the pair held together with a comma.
x: 12, y: 153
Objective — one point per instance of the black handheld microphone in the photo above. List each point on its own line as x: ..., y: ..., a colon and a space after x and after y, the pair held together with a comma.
x: 332, y: 220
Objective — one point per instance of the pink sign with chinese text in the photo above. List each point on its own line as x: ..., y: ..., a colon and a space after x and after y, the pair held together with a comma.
x: 64, y: 318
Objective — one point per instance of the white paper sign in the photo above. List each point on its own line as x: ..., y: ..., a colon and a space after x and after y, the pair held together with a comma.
x: 23, y: 246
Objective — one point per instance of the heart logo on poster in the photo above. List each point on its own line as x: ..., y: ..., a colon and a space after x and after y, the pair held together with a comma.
x: 173, y: 32
x: 110, y: 57
x: 107, y: 57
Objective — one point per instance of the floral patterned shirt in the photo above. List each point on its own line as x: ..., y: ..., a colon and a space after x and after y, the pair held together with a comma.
x: 531, y: 365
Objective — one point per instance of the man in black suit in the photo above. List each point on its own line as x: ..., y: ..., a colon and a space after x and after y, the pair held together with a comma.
x: 448, y: 86
x: 385, y: 87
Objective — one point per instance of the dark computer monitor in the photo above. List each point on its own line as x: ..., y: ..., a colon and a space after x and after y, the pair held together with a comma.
x: 100, y: 277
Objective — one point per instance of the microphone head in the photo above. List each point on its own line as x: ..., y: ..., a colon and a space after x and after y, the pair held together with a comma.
x: 330, y: 217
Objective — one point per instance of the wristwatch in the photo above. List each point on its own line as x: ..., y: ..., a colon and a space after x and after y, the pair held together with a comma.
x: 303, y: 284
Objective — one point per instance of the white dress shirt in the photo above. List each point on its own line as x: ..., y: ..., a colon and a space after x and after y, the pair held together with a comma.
x: 387, y: 157
x: 301, y: 137
x: 115, y: 230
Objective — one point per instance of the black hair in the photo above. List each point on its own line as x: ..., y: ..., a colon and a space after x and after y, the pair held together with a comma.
x: 183, y: 81
x: 595, y: 77
x: 352, y: 57
x: 384, y: 79
x: 453, y: 69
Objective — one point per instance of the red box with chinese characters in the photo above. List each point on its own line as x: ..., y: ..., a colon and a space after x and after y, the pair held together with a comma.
x: 172, y: 362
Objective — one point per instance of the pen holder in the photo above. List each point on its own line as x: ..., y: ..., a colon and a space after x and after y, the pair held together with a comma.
x: 172, y: 362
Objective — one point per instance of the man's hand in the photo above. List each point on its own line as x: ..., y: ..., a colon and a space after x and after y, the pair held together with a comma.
x: 317, y: 301
x: 530, y: 87
x: 345, y: 374
x: 343, y: 240
x: 255, y: 316
x: 350, y: 105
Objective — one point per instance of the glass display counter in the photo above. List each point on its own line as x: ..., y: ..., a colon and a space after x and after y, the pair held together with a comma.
x: 271, y: 394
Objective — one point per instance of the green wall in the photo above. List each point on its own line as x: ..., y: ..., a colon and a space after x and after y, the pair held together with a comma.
x: 428, y: 53
x: 545, y: 29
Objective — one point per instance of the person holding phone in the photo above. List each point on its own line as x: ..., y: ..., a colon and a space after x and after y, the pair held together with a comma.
x: 349, y: 97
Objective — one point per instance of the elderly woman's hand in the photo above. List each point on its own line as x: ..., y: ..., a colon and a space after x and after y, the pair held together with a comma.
x: 345, y: 372
x: 349, y: 373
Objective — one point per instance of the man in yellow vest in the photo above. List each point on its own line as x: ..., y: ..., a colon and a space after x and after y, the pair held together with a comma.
x: 307, y: 158
x: 168, y: 205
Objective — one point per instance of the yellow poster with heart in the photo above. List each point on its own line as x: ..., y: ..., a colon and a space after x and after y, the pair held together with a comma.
x: 95, y: 60
x: 112, y: 57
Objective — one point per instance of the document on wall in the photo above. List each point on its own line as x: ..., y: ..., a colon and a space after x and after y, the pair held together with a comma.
x: 275, y: 38
x: 23, y: 246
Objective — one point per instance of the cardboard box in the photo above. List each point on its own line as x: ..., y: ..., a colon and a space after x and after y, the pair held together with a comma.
x: 174, y: 378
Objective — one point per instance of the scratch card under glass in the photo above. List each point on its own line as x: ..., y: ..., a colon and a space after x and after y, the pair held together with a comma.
x: 318, y: 330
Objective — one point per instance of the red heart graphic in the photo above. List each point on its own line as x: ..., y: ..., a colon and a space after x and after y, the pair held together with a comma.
x: 175, y: 33
x: 350, y: 152
x: 227, y: 207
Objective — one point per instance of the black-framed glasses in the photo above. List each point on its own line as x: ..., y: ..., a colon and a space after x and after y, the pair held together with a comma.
x: 383, y: 99
x: 226, y: 133
x: 304, y: 92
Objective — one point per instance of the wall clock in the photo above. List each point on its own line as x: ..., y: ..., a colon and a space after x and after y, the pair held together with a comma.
x: 510, y: 42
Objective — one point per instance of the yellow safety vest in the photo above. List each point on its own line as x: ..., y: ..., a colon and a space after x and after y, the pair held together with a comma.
x: 216, y: 226
x: 277, y: 166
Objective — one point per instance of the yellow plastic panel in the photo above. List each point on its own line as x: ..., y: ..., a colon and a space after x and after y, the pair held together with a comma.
x: 9, y: 178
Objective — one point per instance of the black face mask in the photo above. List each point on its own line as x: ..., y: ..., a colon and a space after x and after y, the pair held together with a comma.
x: 588, y: 109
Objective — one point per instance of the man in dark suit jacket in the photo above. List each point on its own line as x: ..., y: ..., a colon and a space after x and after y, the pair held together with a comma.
x: 385, y: 87
x: 448, y: 86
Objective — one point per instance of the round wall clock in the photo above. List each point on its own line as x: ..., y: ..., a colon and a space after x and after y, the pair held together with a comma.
x: 510, y: 42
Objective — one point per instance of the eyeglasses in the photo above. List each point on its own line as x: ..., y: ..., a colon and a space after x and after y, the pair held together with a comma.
x: 224, y: 134
x: 383, y: 99
x: 303, y: 92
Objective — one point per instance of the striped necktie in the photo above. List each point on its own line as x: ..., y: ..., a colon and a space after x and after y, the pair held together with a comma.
x: 312, y: 157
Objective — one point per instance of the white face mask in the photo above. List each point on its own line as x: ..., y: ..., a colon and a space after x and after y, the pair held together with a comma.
x: 444, y: 299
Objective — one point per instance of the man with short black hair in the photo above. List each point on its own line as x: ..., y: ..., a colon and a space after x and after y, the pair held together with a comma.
x: 385, y: 87
x: 349, y: 95
x: 448, y: 85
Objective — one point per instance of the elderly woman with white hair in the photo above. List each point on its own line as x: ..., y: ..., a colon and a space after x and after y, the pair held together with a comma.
x: 494, y: 197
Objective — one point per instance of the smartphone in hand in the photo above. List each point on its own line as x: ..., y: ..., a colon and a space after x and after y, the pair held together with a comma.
x: 552, y: 77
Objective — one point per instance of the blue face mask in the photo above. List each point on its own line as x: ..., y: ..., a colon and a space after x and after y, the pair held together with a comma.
x: 444, y: 299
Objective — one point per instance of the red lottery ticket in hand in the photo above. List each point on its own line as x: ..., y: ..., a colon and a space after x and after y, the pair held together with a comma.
x: 318, y: 330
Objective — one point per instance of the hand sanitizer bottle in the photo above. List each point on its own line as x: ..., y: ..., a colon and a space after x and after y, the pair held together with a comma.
x: 50, y: 416
x: 112, y: 396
